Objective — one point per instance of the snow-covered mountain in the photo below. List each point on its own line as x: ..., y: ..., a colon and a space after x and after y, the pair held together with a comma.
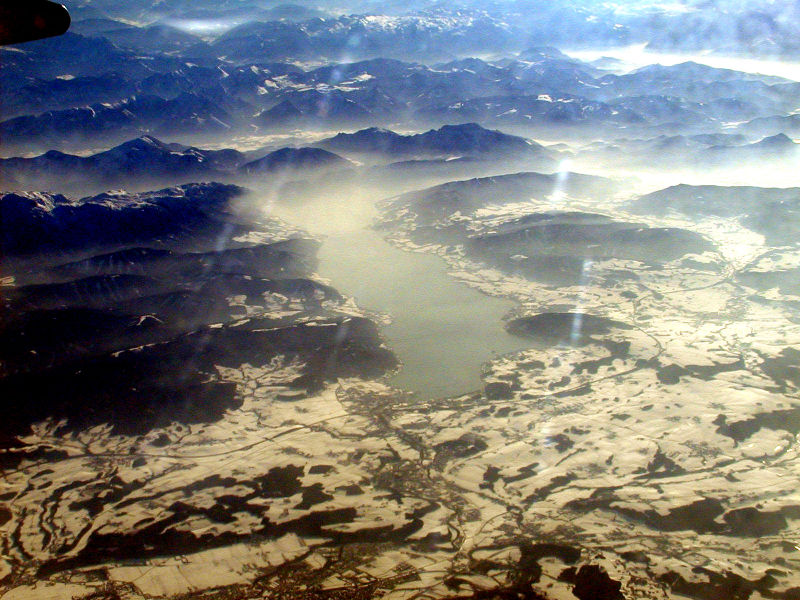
x: 141, y: 161
x: 39, y: 222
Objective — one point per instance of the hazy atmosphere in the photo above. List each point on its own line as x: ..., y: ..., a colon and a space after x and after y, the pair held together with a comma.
x: 401, y: 300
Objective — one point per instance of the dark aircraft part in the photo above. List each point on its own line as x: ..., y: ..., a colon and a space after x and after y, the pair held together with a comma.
x: 26, y: 20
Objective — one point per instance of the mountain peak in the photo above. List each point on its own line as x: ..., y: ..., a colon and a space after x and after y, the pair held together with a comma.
x: 473, y: 127
x: 372, y: 131
x: 285, y: 110
x: 145, y: 143
x: 780, y: 140
x: 462, y: 139
x: 287, y: 159
x: 472, y: 137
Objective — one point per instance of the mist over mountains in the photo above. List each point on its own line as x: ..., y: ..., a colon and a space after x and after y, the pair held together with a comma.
x: 147, y: 161
x: 193, y: 102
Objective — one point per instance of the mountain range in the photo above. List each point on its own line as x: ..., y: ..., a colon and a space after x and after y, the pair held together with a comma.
x: 469, y: 139
x: 144, y: 160
x: 36, y: 222
x: 771, y: 212
x: 147, y: 161
x: 539, y: 90
x: 187, y: 113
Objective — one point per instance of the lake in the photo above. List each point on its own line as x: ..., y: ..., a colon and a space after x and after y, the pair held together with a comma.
x: 442, y: 330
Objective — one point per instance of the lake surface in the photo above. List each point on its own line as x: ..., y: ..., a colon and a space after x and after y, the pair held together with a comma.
x: 442, y: 330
